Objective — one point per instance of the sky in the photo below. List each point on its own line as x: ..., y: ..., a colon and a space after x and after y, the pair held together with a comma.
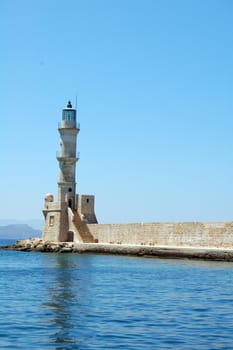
x: 154, y: 87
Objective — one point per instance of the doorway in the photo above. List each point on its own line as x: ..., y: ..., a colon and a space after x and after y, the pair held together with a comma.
x: 70, y: 236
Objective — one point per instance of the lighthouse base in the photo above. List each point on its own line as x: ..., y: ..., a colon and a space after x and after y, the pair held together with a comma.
x: 63, y: 224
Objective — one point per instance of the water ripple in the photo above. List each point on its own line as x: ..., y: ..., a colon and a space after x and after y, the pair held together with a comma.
x: 55, y: 301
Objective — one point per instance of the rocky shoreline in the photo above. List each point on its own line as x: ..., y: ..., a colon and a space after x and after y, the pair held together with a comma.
x: 38, y: 245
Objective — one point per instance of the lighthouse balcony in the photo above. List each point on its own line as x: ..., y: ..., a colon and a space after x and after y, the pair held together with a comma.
x: 69, y: 124
x: 68, y: 158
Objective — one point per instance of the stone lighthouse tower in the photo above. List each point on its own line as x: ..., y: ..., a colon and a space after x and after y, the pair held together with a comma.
x: 67, y: 158
x: 67, y: 219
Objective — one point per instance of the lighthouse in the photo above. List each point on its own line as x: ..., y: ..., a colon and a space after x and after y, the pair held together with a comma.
x: 67, y: 157
x: 68, y: 218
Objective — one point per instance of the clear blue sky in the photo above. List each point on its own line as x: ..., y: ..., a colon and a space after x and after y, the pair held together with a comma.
x: 154, y: 84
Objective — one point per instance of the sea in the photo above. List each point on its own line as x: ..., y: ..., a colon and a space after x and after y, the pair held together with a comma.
x: 87, y: 301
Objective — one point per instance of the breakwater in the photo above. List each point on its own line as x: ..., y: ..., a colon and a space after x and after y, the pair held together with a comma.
x: 192, y: 240
x: 38, y: 245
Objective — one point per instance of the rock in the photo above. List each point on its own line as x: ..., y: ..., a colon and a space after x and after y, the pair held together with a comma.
x: 66, y: 250
x: 40, y: 248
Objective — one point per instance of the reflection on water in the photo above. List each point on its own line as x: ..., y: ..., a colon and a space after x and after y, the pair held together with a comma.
x: 60, y: 300
x: 71, y: 301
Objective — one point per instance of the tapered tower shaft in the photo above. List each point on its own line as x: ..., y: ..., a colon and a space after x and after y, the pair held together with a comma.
x: 67, y: 157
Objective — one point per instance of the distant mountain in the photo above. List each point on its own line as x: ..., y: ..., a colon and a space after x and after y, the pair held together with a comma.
x: 34, y: 223
x: 19, y: 231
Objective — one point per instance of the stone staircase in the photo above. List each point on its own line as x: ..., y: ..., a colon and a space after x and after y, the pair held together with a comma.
x: 82, y: 228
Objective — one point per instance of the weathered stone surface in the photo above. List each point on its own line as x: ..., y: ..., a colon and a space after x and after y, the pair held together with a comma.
x: 39, y: 248
x: 182, y: 234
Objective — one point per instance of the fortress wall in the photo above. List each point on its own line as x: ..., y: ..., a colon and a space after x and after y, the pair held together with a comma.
x: 189, y: 234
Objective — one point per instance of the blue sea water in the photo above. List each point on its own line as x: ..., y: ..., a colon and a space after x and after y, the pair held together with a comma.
x: 71, y: 301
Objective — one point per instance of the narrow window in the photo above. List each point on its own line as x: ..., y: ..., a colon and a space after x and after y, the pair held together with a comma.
x: 87, y: 200
x: 51, y: 220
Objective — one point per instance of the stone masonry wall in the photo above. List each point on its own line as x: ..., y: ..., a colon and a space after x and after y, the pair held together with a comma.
x: 85, y: 206
x: 52, y: 226
x: 189, y: 234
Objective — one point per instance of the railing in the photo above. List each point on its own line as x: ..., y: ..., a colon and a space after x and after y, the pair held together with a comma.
x: 68, y: 124
x: 58, y: 155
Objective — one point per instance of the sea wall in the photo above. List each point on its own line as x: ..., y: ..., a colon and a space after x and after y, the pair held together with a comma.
x: 180, y: 234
